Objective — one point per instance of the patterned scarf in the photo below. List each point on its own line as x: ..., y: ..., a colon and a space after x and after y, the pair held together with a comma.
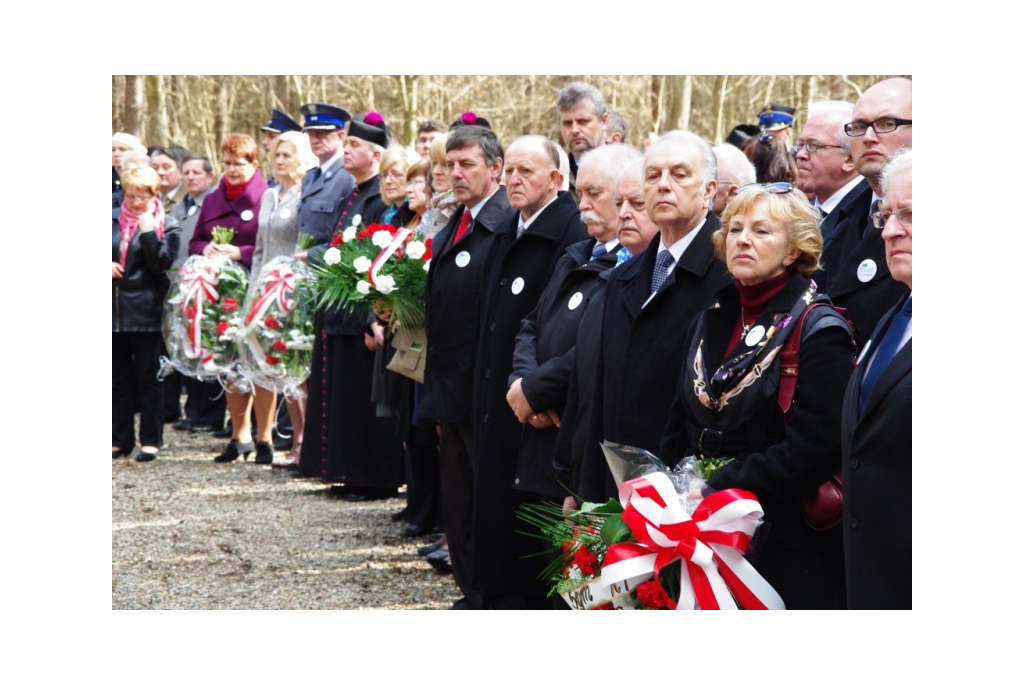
x: 129, y: 222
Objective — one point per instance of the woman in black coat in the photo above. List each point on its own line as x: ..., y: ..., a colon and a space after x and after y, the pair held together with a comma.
x: 145, y: 243
x: 728, y: 403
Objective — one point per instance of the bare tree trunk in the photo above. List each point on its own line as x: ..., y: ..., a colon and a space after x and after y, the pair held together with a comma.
x: 657, y: 98
x: 222, y: 115
x: 134, y: 106
x: 719, y: 102
x: 156, y: 106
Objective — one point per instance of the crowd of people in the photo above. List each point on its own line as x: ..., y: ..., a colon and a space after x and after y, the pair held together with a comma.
x: 748, y: 302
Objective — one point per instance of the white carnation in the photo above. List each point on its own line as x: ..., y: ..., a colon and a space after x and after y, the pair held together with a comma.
x: 356, y: 220
x: 332, y: 256
x: 361, y: 265
x: 363, y: 287
x: 416, y: 249
x: 426, y: 265
x: 385, y: 284
x: 349, y: 234
x: 382, y: 239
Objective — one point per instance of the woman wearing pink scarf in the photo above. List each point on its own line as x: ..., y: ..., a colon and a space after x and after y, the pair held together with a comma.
x: 145, y: 243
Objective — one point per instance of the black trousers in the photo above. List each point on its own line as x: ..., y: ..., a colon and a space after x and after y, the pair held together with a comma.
x: 456, y: 460
x: 135, y: 363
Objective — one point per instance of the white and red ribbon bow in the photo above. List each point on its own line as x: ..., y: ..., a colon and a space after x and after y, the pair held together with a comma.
x: 400, y: 236
x: 278, y: 285
x: 710, y: 544
x: 199, y: 284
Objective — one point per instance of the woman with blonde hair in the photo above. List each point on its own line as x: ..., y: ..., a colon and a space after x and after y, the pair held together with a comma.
x: 276, y: 236
x: 145, y: 244
x: 779, y: 431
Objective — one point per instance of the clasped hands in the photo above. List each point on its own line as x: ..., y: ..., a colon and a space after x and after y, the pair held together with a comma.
x: 525, y: 413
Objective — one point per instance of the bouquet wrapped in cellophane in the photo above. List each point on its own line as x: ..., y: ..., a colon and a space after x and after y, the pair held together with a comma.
x: 666, y: 543
x: 377, y: 264
x: 203, y: 311
x: 275, y: 335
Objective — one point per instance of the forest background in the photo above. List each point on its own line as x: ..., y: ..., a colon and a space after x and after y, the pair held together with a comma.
x: 197, y: 112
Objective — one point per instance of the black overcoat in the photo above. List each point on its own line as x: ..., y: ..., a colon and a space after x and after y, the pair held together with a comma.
x: 877, y: 482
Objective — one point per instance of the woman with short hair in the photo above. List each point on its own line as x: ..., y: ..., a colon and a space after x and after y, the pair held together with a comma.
x: 145, y: 243
x: 782, y: 441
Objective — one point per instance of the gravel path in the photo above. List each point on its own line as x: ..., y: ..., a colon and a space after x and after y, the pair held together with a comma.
x: 191, y: 534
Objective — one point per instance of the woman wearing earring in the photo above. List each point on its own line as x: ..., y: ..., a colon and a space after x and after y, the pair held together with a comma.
x: 782, y: 440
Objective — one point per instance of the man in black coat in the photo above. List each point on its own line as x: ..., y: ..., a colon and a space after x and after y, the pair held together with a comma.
x: 650, y: 302
x: 877, y: 434
x: 858, y: 277
x: 530, y: 242
x: 461, y: 251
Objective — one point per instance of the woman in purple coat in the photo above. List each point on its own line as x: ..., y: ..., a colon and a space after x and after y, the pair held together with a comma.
x: 235, y: 204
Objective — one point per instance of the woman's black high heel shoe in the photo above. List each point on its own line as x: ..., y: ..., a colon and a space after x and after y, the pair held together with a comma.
x: 234, y: 449
x: 264, y: 453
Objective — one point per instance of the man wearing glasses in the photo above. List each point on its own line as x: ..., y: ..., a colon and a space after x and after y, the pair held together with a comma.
x: 858, y: 277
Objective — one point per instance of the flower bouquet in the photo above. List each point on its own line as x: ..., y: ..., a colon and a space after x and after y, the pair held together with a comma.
x: 203, y: 312
x: 658, y: 546
x: 276, y: 331
x: 380, y: 264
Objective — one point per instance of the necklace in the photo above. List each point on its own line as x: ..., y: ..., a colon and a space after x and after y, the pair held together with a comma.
x: 746, y: 326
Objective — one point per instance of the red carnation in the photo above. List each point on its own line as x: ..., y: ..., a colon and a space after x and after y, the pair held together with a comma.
x: 651, y: 595
x: 428, y: 254
x: 585, y: 561
x: 271, y: 359
x: 336, y: 240
x: 280, y: 345
x: 222, y: 328
x: 271, y: 322
x: 230, y: 304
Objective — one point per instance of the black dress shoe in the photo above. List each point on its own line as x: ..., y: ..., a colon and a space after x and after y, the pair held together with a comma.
x: 224, y: 432
x: 145, y: 456
x: 399, y: 515
x: 207, y: 428
x: 428, y: 549
x: 283, y: 444
x: 183, y: 425
x: 234, y: 450
x: 264, y: 453
x: 415, y: 531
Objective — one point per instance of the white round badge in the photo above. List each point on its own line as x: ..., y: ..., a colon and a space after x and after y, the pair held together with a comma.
x: 192, y: 210
x: 247, y: 215
x: 575, y: 300
x: 285, y: 213
x: 462, y: 259
x: 754, y: 336
x: 517, y: 286
x: 866, y: 270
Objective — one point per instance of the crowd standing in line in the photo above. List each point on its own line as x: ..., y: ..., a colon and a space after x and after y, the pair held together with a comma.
x: 575, y: 295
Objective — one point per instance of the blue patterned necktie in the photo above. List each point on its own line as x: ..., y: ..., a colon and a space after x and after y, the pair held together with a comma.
x: 599, y: 251
x: 888, y: 346
x: 661, y: 270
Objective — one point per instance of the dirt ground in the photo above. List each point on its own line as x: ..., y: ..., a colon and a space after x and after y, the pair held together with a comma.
x: 188, y: 533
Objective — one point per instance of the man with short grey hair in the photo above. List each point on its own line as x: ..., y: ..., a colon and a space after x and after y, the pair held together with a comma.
x: 582, y: 118
x: 615, y: 128
x: 650, y: 302
x: 735, y: 170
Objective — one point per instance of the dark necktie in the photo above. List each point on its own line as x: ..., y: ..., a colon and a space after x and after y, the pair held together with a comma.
x: 463, y: 226
x: 661, y: 270
x: 599, y: 251
x: 316, y: 174
x: 888, y: 346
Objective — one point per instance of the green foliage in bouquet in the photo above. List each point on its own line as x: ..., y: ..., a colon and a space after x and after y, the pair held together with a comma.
x: 397, y: 288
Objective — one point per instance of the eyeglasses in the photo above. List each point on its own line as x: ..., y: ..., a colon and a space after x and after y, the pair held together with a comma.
x: 236, y: 164
x: 811, y: 146
x: 856, y: 129
x: 776, y: 188
x: 905, y: 216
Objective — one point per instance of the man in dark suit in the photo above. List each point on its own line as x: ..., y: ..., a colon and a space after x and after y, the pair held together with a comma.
x: 858, y: 278
x: 462, y: 249
x: 650, y: 302
x: 530, y: 242
x: 878, y: 425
